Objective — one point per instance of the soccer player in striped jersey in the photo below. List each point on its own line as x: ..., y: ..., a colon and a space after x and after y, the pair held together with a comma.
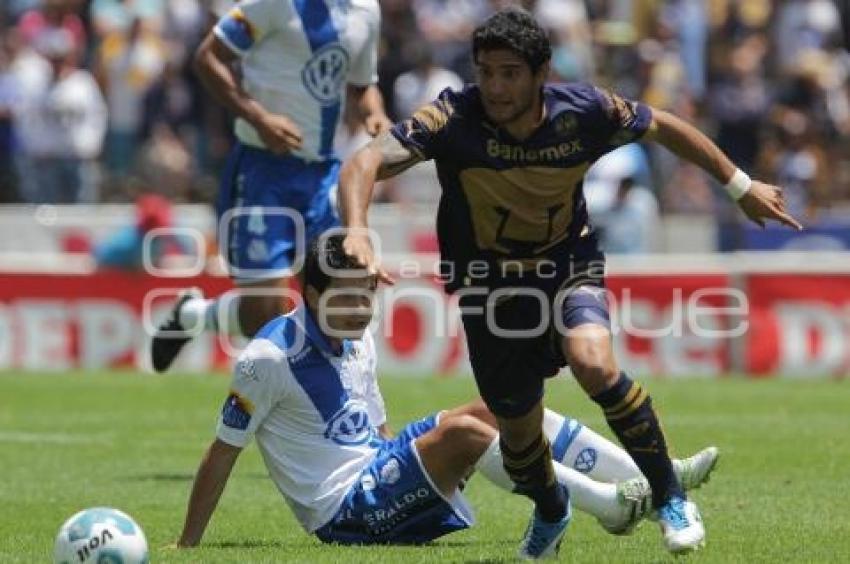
x: 301, y: 60
x: 306, y: 389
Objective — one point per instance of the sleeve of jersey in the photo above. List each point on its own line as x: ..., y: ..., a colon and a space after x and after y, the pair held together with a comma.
x: 364, y: 71
x: 245, y: 24
x: 622, y: 120
x: 250, y: 398
x: 424, y: 132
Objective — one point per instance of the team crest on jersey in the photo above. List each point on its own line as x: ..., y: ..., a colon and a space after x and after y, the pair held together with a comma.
x: 391, y: 472
x: 586, y: 460
x: 324, y: 75
x: 566, y: 124
x: 350, y: 425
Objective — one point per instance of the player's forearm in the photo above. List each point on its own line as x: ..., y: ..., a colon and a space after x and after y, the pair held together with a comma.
x: 356, y: 182
x: 209, y: 484
x: 213, y: 68
x: 689, y: 143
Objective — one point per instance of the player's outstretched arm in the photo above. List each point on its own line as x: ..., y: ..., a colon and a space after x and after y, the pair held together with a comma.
x: 382, y: 158
x: 758, y: 200
x: 210, y: 480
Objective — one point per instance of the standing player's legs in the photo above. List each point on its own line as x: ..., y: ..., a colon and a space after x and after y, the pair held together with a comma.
x: 628, y: 411
x: 269, y: 209
x: 577, y: 446
x: 580, y: 448
x: 617, y: 507
x: 510, y: 379
x: 601, y: 477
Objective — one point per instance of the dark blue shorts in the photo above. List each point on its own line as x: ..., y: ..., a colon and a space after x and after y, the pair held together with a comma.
x: 394, y: 501
x: 269, y: 209
x: 510, y: 370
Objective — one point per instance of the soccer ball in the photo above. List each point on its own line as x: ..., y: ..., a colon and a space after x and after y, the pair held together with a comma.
x: 102, y: 535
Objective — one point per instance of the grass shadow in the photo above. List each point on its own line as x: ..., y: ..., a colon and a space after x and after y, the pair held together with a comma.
x: 477, y: 542
x: 183, y: 477
x: 161, y: 477
x: 253, y: 544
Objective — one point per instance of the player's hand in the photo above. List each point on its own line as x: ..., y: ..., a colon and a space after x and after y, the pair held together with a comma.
x: 359, y: 247
x: 764, y: 201
x: 279, y: 133
x: 377, y: 124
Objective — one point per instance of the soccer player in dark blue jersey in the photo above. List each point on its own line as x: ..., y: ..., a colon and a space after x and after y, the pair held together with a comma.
x: 517, y: 247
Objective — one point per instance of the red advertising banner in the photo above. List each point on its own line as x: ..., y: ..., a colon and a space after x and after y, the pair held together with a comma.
x: 674, y: 325
x: 62, y: 322
x: 800, y: 324
x: 666, y: 325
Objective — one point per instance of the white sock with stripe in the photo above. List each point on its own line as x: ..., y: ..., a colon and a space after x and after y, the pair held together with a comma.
x: 596, y: 498
x: 207, y: 313
x: 584, y: 450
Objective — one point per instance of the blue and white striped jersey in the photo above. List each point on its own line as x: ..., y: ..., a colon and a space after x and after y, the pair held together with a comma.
x: 297, y: 58
x: 314, y: 412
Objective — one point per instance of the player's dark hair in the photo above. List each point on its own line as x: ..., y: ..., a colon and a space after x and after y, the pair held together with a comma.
x: 516, y: 30
x: 325, y: 256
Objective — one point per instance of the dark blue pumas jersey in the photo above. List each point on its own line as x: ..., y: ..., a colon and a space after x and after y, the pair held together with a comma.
x: 506, y: 200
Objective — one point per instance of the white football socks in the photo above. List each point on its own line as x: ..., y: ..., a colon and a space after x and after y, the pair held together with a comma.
x: 211, y: 316
x: 597, y: 498
x: 582, y: 449
x: 197, y: 312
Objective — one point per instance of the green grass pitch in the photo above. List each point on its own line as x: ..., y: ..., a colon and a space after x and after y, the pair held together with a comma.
x: 133, y: 441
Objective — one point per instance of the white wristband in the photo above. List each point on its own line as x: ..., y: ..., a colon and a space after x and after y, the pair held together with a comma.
x: 738, y: 185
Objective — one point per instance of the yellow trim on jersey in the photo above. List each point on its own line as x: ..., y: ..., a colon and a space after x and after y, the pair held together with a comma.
x: 434, y: 117
x: 237, y: 14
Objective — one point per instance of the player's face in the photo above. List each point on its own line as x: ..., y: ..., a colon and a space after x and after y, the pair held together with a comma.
x: 509, y: 90
x: 347, y: 305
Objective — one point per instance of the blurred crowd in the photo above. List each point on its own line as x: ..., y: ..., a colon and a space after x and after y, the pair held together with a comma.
x: 98, y: 101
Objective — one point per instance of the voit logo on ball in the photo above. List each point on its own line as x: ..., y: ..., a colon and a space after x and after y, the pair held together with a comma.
x: 103, y: 535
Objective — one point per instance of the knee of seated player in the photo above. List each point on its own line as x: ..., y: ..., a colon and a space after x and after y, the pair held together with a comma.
x: 466, y: 436
x: 477, y: 409
x: 592, y: 362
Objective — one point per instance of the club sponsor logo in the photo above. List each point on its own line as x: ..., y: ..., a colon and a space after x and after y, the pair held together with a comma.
x: 382, y: 520
x: 350, y: 425
x: 519, y: 153
x: 325, y: 73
